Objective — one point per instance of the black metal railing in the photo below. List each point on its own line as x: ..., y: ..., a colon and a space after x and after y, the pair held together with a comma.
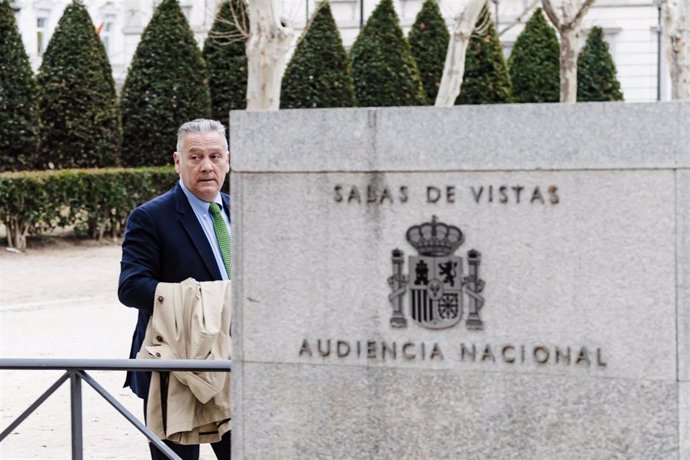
x: 75, y: 372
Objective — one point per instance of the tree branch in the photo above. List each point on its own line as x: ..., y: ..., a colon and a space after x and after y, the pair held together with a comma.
x: 551, y: 13
x: 481, y: 29
x: 520, y: 17
x: 581, y: 12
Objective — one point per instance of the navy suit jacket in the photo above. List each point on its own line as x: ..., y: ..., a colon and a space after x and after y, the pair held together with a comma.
x: 163, y: 242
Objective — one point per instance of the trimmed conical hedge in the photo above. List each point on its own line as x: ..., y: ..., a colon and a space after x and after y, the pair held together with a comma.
x: 226, y: 58
x: 429, y: 40
x: 18, y: 99
x: 383, y: 69
x: 596, y: 72
x: 318, y: 74
x: 166, y: 86
x: 534, y: 62
x: 80, y: 123
x: 486, y: 79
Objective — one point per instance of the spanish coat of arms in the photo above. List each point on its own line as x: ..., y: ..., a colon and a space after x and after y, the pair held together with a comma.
x: 436, y: 283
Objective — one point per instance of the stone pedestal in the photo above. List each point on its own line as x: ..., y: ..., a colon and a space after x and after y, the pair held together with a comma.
x: 538, y: 305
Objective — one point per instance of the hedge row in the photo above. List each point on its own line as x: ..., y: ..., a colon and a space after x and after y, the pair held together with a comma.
x: 95, y: 202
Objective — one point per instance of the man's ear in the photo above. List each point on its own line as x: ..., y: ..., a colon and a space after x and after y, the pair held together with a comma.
x: 176, y: 161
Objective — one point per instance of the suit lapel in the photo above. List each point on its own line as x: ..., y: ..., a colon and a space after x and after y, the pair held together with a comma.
x: 191, y: 225
x: 226, y: 205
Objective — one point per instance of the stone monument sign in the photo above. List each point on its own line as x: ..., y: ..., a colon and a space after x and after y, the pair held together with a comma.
x: 470, y: 283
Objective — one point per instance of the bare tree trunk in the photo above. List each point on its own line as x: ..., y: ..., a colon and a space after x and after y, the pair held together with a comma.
x: 568, y: 24
x: 267, y: 48
x: 454, y: 68
x: 677, y: 40
x: 17, y: 232
x: 568, y: 64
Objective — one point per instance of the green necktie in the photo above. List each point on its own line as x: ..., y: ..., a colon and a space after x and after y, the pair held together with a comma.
x: 223, y: 236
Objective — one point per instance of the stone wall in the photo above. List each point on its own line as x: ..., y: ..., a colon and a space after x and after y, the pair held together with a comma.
x: 568, y: 336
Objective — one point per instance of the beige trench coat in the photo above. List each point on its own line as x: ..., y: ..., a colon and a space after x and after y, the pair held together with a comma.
x: 191, y: 320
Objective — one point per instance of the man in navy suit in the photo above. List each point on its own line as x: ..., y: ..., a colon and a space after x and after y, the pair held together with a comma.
x: 171, y: 238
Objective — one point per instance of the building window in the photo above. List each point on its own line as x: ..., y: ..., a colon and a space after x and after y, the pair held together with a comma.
x: 187, y: 11
x: 41, y: 32
x: 186, y: 7
x: 106, y: 32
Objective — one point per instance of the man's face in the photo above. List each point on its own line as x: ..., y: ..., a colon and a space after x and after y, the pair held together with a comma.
x: 203, y: 164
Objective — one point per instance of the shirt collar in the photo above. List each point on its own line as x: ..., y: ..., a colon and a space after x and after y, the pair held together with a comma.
x: 200, y: 206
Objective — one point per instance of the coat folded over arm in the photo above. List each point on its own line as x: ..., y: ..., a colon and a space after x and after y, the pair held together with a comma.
x: 191, y: 320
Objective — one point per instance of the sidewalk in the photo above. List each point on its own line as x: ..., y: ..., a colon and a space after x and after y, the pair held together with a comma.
x: 60, y: 301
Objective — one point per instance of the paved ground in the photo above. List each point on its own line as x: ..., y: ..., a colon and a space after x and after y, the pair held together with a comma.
x: 60, y: 301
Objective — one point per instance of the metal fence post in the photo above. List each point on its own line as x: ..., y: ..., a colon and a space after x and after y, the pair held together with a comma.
x: 75, y: 393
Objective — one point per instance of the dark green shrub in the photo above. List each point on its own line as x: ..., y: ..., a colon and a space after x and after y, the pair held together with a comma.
x: 226, y: 58
x: 383, y: 69
x: 166, y: 86
x: 318, y: 74
x: 596, y: 72
x: 18, y: 102
x: 534, y: 62
x: 486, y: 79
x: 80, y: 123
x: 429, y: 40
x: 96, y: 202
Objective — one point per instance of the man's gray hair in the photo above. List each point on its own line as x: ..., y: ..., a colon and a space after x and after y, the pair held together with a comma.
x: 200, y: 125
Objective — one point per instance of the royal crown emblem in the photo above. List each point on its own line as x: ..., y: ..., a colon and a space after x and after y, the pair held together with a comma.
x: 436, y: 283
